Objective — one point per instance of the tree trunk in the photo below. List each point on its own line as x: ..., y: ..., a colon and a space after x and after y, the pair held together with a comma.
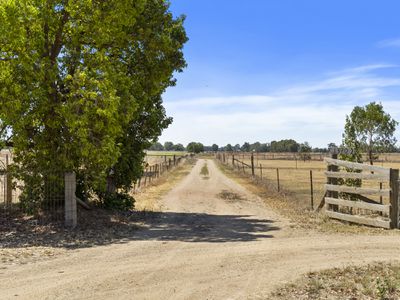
x: 371, y: 159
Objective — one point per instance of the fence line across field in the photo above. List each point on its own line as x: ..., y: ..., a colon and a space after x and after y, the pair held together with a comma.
x: 265, y: 173
x: 313, y: 156
x: 373, y: 201
x: 152, y: 172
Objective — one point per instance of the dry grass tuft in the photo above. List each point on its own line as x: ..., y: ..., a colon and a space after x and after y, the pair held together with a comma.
x: 230, y: 196
x: 204, y: 171
x: 374, y: 281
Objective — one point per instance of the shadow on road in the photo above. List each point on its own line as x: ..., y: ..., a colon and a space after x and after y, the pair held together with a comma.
x: 192, y: 227
x: 99, y: 228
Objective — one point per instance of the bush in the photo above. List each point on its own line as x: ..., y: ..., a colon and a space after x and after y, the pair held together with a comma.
x: 120, y: 201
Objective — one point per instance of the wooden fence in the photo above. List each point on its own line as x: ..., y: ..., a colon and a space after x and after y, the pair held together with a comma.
x: 350, y: 191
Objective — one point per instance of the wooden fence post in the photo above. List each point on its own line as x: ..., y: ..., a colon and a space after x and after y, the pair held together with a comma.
x: 252, y: 164
x: 8, y: 184
x: 277, y: 179
x: 261, y: 171
x: 233, y: 160
x: 333, y: 181
x: 145, y: 177
x: 312, y: 190
x: 70, y: 200
x: 394, y: 198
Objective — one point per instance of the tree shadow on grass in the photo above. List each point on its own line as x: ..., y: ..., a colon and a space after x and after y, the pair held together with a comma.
x: 99, y: 227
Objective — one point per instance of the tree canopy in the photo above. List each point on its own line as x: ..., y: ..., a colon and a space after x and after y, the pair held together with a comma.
x: 195, y: 147
x: 81, y: 84
x: 368, y: 129
x: 285, y: 146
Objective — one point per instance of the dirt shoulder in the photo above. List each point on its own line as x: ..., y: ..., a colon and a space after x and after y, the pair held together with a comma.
x: 211, y: 239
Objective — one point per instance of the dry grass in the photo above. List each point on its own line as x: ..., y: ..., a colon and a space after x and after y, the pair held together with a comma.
x: 229, y: 196
x: 204, y: 171
x: 148, y: 198
x: 375, y: 281
x: 295, y: 177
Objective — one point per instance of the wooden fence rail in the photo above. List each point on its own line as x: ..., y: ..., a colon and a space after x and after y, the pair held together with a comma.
x: 348, y: 201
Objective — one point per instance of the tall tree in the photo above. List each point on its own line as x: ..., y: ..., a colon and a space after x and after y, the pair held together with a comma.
x: 157, y: 146
x: 228, y: 148
x: 168, y: 146
x: 245, y: 147
x: 195, y: 147
x: 305, y: 151
x: 81, y: 84
x: 179, y: 147
x: 369, y: 129
x: 214, y: 147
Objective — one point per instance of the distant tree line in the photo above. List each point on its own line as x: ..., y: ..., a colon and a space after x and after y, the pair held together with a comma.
x: 170, y: 146
x: 288, y: 145
x: 285, y: 145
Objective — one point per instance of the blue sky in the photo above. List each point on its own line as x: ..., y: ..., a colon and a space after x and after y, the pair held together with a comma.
x: 263, y: 70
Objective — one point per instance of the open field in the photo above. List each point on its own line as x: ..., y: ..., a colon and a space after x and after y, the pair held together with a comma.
x: 294, y: 176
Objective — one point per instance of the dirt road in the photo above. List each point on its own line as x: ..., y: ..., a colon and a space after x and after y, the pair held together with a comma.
x: 213, y: 240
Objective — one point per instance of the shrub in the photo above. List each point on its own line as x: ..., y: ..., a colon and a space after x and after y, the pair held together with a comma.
x: 120, y: 201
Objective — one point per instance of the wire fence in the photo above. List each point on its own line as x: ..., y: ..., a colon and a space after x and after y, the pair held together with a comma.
x: 155, y: 171
x: 304, y: 182
x: 313, y: 156
x: 41, y: 197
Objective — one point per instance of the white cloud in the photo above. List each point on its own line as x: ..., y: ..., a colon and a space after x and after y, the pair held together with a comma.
x: 389, y: 43
x: 313, y: 112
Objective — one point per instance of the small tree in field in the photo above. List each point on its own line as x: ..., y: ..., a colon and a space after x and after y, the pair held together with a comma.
x: 304, y: 151
x: 368, y: 129
x: 194, y: 147
x: 168, y: 146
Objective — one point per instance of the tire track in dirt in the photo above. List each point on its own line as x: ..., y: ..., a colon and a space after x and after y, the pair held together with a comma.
x: 202, y: 246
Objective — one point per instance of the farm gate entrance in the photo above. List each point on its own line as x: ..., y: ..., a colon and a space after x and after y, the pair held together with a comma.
x: 362, y: 194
